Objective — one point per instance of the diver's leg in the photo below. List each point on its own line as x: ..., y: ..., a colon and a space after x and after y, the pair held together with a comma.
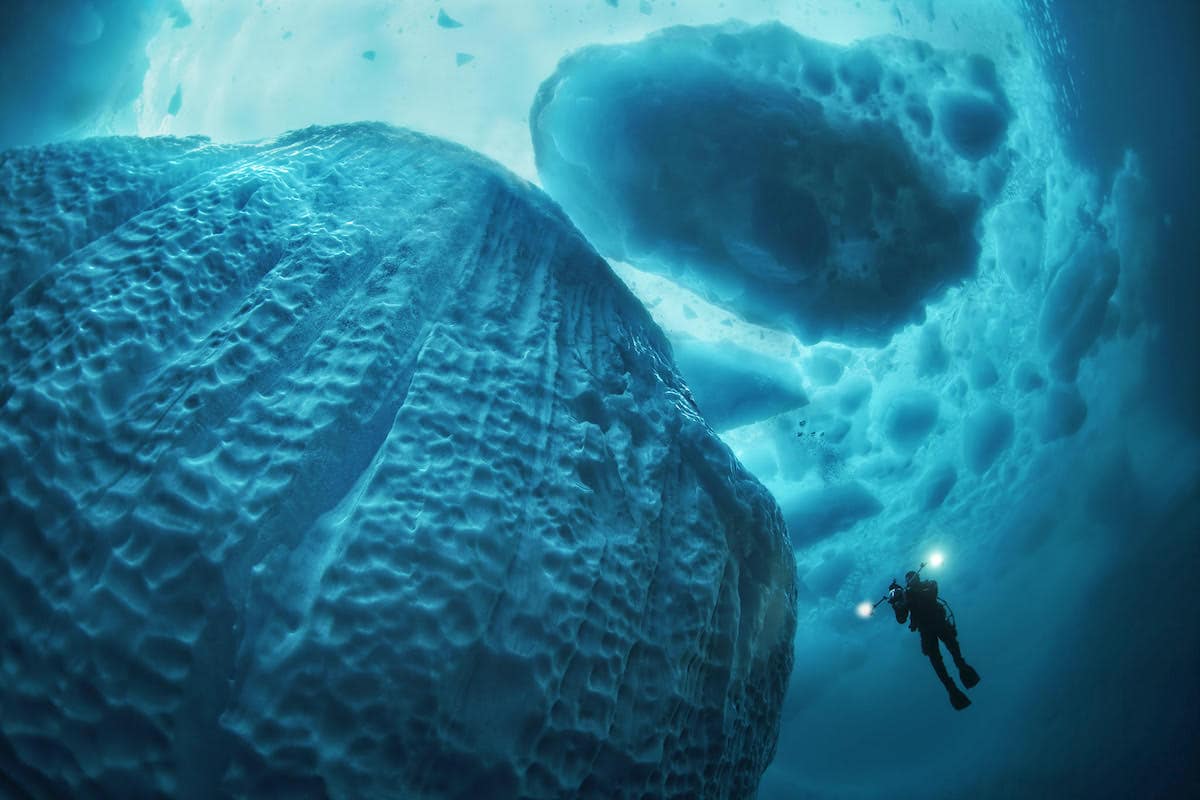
x: 929, y: 646
x: 966, y: 672
x: 950, y: 639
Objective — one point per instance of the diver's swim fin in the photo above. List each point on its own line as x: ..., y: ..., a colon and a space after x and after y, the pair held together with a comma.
x: 968, y: 675
x: 958, y: 699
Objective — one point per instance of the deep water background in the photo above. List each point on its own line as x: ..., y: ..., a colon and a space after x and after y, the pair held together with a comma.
x: 1072, y: 565
x: 1081, y: 605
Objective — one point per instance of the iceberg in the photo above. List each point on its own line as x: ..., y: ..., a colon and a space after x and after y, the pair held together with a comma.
x: 340, y: 464
x: 830, y: 191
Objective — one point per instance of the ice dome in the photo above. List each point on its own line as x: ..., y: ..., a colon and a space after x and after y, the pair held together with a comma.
x: 476, y: 399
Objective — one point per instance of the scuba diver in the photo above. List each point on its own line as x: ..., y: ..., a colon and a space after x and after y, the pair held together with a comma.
x: 917, y: 603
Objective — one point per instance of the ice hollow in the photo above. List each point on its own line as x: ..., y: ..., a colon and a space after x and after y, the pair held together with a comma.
x: 341, y: 465
x: 832, y: 191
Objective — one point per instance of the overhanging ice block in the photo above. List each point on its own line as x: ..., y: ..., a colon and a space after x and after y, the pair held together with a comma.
x: 832, y: 191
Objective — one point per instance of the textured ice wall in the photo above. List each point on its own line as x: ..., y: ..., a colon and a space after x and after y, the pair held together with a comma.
x: 346, y: 467
x: 829, y: 190
x: 57, y: 205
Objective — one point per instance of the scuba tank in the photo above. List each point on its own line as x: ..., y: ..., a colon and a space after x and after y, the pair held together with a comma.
x: 949, y: 612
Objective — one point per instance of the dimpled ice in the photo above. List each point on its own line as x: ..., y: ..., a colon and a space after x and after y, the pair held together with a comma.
x: 829, y: 190
x: 340, y: 464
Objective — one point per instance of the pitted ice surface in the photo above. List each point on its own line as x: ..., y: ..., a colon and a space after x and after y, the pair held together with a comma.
x: 830, y: 191
x: 340, y: 465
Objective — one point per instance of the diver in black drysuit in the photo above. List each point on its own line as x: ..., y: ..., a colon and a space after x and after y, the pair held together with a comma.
x: 918, y: 605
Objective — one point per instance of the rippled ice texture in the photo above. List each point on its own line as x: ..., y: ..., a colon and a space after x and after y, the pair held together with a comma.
x: 340, y: 464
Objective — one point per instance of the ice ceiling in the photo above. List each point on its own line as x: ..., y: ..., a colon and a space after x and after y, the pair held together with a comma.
x: 1007, y: 416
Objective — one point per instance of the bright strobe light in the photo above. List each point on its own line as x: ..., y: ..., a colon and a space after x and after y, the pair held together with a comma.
x: 864, y: 609
x: 936, y: 559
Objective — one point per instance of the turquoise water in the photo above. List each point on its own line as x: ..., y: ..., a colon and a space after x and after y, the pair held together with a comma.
x: 555, y: 460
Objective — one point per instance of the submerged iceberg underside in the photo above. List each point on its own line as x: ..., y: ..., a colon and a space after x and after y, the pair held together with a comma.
x: 342, y: 465
x: 831, y: 191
